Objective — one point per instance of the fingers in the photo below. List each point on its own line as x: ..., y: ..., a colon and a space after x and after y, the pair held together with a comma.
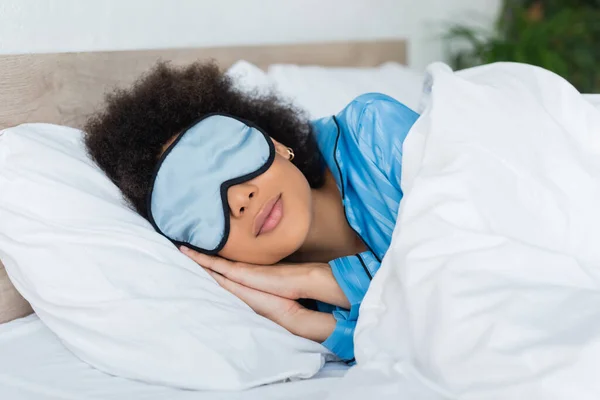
x: 275, y: 308
x: 309, y: 324
x: 260, y: 302
x: 221, y: 280
x: 214, y: 263
x: 238, y: 272
x: 279, y: 280
x: 234, y: 288
x: 290, y: 281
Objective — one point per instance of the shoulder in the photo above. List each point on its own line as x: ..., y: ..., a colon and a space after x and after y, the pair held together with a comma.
x: 371, y: 105
x: 375, y: 120
x: 372, y: 115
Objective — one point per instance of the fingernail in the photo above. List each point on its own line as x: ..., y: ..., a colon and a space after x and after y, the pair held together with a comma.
x: 183, y: 249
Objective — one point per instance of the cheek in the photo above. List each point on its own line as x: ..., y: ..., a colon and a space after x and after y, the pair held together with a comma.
x: 285, y: 178
x: 242, y: 246
x: 297, y: 210
x: 237, y: 244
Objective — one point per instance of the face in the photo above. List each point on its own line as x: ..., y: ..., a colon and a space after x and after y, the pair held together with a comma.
x: 270, y: 215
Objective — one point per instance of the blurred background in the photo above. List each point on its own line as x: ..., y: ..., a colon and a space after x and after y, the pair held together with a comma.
x: 560, y: 35
x: 95, y: 25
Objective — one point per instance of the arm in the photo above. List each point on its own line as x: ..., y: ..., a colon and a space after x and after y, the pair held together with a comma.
x: 271, y: 291
x: 375, y: 126
x: 353, y: 274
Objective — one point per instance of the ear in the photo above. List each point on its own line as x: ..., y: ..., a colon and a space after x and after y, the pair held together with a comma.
x: 281, y: 149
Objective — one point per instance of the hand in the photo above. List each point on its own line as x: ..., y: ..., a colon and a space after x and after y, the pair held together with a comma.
x: 312, y: 325
x: 291, y: 281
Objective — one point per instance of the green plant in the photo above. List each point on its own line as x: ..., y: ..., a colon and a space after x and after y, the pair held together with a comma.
x: 560, y: 35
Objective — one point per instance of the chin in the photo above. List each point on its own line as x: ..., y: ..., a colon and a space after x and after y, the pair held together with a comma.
x: 282, y: 252
x: 277, y: 245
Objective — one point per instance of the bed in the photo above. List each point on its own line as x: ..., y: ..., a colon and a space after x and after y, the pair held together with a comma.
x: 520, y: 347
x: 64, y: 89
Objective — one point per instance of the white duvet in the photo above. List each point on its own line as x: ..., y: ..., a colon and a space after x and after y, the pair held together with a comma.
x: 491, y: 288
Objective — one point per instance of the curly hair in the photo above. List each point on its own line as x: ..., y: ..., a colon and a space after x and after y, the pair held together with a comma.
x: 126, y: 138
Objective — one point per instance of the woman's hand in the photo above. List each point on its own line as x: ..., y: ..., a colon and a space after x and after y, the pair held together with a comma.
x: 312, y: 325
x: 291, y: 281
x: 272, y: 291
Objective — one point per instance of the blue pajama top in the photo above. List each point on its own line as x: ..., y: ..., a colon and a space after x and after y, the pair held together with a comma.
x: 362, y: 146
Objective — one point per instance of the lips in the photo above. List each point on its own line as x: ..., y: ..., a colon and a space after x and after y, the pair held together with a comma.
x: 269, y: 216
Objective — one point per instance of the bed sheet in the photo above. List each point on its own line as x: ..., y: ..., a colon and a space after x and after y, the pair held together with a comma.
x: 34, y: 365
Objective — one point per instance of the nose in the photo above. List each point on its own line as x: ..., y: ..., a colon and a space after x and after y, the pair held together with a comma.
x: 240, y: 197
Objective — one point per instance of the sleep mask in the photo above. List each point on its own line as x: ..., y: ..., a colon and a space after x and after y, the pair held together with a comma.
x: 187, y: 202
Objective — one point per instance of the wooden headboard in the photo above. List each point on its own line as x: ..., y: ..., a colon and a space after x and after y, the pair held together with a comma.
x: 65, y: 88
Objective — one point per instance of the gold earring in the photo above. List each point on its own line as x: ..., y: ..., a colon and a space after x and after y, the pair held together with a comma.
x: 290, y: 153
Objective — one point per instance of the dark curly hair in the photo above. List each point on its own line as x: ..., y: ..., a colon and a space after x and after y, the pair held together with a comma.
x: 126, y: 138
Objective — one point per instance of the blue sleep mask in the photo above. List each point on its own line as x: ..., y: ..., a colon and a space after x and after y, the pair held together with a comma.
x: 187, y: 202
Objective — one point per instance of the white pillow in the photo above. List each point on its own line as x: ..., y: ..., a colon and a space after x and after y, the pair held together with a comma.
x: 117, y: 294
x: 324, y: 91
x: 249, y: 78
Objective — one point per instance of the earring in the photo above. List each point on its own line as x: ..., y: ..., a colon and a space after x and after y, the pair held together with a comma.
x: 290, y: 153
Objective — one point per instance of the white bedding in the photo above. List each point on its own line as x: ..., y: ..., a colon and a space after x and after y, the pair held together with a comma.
x: 34, y: 365
x: 594, y: 99
x: 421, y: 334
x: 491, y: 287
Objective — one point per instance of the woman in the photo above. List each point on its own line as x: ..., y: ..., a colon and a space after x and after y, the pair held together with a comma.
x: 296, y: 210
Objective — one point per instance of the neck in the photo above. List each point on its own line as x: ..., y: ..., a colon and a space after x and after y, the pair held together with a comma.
x: 330, y: 235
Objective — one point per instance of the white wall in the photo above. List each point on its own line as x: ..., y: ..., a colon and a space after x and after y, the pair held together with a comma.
x: 88, y: 25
